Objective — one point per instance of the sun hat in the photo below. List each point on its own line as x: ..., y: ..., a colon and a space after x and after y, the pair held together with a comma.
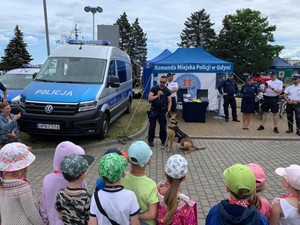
x: 115, y: 150
x: 176, y: 166
x: 15, y: 156
x: 139, y: 153
x: 112, y: 167
x: 74, y: 165
x: 239, y: 176
x: 291, y: 174
x: 259, y: 173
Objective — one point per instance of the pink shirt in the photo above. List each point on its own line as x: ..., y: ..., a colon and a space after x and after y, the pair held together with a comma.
x: 265, y: 207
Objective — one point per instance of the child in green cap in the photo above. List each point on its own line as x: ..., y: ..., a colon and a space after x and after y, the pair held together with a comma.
x: 113, y: 204
x: 240, y: 183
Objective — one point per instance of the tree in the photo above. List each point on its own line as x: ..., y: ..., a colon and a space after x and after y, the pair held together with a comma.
x: 125, y: 32
x: 16, y: 53
x: 198, y: 31
x: 245, y: 40
x: 133, y: 41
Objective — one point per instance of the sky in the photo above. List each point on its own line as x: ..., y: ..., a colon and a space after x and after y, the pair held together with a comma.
x: 161, y: 20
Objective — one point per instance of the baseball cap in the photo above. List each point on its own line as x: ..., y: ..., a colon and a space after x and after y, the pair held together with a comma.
x: 15, y: 156
x: 272, y: 73
x: 170, y: 74
x: 296, y: 76
x: 259, y: 173
x: 176, y: 166
x: 239, y: 176
x: 112, y: 167
x: 230, y: 74
x: 115, y: 150
x: 74, y: 165
x: 291, y: 174
x: 249, y: 78
x: 139, y: 153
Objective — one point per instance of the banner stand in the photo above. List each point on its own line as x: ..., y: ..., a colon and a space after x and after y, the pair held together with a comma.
x: 219, y: 117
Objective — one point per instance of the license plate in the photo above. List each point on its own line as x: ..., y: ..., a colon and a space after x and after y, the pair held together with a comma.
x: 48, y: 126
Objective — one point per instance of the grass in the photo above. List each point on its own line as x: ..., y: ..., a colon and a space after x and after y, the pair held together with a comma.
x: 126, y: 125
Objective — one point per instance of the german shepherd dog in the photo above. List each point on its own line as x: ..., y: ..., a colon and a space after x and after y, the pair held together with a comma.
x: 174, y: 131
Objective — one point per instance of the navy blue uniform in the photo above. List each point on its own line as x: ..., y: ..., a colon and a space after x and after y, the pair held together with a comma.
x: 248, y: 91
x: 230, y: 87
x: 159, y: 108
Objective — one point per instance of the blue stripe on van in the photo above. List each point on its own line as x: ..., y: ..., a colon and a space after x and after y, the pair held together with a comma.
x: 61, y: 92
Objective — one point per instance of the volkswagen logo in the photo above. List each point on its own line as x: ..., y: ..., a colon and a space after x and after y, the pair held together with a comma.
x: 48, y: 109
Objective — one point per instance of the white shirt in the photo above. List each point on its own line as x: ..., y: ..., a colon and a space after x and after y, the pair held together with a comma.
x: 171, y: 85
x: 291, y: 215
x: 293, y: 92
x: 119, y: 205
x: 276, y: 84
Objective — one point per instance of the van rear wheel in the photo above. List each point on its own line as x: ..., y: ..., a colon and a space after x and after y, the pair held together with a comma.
x: 103, y: 131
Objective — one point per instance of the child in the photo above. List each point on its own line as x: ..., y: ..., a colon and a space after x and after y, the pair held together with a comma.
x: 139, y: 154
x: 174, y: 207
x: 73, y: 202
x: 261, y: 203
x: 286, y: 209
x: 113, y: 203
x: 55, y: 181
x: 18, y: 204
x: 240, y: 183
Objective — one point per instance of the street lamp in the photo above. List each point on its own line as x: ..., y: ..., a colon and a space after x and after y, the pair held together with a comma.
x: 93, y: 10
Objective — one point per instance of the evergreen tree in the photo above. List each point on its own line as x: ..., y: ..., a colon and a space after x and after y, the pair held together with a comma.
x: 16, y: 53
x: 139, y: 43
x: 125, y: 32
x: 198, y: 31
x: 245, y: 40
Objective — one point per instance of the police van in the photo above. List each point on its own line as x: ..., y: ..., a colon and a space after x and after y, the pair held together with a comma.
x: 81, y: 89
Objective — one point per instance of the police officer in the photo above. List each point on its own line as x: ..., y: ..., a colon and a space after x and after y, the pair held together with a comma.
x: 292, y: 97
x: 173, y: 87
x: 161, y: 103
x: 228, y: 88
x: 272, y: 90
x: 248, y: 91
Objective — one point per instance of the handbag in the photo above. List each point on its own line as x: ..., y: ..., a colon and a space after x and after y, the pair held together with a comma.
x: 102, y: 210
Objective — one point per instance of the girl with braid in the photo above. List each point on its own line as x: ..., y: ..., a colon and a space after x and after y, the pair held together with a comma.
x: 174, y: 207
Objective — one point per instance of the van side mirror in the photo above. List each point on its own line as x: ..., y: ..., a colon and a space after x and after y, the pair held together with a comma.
x: 114, y: 81
x: 34, y: 75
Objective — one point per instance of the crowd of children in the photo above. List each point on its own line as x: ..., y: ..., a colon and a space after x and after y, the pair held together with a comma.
x: 131, y: 197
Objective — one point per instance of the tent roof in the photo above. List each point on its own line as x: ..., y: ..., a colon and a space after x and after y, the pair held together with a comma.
x: 161, y: 56
x: 192, y: 60
x: 280, y: 63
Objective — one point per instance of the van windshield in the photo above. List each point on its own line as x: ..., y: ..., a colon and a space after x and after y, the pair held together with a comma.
x: 73, y: 70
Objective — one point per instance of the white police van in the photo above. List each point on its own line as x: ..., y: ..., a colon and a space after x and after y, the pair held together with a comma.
x: 80, y: 90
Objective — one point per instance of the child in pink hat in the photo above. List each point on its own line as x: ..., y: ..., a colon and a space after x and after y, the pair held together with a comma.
x: 286, y: 209
x: 18, y: 202
x: 261, y: 203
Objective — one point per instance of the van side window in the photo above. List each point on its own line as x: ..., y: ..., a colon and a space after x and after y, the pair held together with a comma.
x: 112, y: 69
x: 121, y: 68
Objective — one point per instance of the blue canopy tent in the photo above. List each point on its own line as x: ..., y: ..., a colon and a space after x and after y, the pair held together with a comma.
x: 148, y: 70
x: 195, y: 71
x: 283, y: 69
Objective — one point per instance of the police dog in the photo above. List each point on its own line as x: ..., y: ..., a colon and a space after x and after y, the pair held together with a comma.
x: 173, y: 131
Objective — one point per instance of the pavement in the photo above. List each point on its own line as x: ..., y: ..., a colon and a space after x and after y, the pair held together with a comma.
x: 226, y: 144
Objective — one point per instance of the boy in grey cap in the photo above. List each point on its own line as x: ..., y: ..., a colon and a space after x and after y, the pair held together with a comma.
x: 73, y: 202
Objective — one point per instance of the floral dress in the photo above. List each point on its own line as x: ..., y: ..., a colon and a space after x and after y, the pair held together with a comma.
x: 186, y: 213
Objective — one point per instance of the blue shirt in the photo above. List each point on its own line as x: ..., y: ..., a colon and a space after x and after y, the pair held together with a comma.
x: 228, y: 86
x: 6, y: 126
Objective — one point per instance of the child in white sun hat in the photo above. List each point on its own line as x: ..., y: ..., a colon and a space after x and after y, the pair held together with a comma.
x: 286, y: 209
x: 18, y: 202
x: 174, y: 207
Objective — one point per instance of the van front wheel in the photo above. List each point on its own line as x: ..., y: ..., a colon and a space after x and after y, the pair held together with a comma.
x: 103, y: 126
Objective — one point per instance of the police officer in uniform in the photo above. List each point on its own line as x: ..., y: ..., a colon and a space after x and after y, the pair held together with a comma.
x: 161, y: 103
x: 229, y: 89
x: 248, y: 91
x: 292, y: 97
x: 173, y: 87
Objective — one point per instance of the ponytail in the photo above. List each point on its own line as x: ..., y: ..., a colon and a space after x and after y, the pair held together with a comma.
x: 171, y: 199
